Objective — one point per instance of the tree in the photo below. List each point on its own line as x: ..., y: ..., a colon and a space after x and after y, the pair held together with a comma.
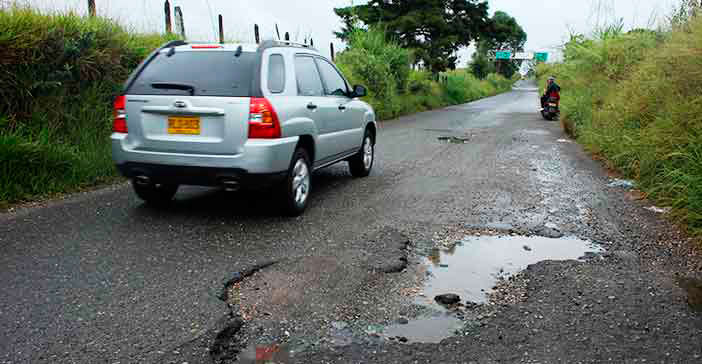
x: 433, y: 29
x: 504, y: 33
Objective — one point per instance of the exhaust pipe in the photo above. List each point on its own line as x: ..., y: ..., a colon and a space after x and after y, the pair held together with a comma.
x: 231, y: 185
x: 142, y: 180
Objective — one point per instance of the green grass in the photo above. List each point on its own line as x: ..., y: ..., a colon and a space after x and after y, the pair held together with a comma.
x: 59, y: 73
x: 635, y: 99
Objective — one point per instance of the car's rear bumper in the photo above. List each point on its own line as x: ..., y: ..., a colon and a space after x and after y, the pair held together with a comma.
x: 200, y: 176
x: 256, y: 157
x: 260, y: 161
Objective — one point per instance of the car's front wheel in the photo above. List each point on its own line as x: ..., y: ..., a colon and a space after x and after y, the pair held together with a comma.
x: 298, y: 183
x: 155, y: 193
x: 361, y: 164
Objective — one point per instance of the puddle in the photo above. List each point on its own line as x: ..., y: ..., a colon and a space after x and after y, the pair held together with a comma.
x: 693, y: 287
x: 471, y: 268
x: 426, y: 329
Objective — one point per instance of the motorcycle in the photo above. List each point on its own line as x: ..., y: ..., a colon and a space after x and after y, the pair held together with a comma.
x: 551, y: 110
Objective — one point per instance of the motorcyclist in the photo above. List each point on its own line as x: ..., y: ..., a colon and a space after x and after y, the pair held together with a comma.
x: 552, y: 91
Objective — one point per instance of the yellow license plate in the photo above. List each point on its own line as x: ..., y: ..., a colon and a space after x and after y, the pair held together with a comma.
x: 184, y: 125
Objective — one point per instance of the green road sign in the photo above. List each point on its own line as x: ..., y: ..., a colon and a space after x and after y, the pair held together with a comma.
x: 503, y: 55
x: 543, y: 57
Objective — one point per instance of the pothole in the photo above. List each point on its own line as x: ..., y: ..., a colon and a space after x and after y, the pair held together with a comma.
x: 475, y: 264
x: 470, y: 268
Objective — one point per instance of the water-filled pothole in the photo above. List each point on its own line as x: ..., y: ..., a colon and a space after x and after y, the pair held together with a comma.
x: 471, y: 268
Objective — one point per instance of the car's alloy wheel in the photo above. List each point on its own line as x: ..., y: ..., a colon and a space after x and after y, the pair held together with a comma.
x: 361, y: 164
x: 298, y: 183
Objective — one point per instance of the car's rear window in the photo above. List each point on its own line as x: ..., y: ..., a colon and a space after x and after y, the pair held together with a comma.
x: 204, y: 73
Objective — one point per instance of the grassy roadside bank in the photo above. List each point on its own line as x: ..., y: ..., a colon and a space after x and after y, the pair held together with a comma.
x: 634, y: 100
x: 59, y: 74
x: 60, y: 71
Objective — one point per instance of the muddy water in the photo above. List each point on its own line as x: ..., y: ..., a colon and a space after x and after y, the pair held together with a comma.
x: 471, y: 268
x: 431, y: 329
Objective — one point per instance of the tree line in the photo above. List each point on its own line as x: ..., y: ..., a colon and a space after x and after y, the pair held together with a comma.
x: 435, y: 30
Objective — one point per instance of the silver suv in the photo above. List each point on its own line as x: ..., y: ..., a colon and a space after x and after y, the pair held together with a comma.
x: 239, y: 116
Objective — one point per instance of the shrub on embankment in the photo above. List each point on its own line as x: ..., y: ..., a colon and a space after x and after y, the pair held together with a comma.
x: 635, y: 100
x: 59, y: 73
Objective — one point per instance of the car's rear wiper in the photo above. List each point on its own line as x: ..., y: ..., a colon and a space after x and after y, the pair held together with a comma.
x: 174, y: 86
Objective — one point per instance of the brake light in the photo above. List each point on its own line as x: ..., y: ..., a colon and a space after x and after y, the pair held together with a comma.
x: 263, y: 120
x: 205, y: 46
x: 119, y: 124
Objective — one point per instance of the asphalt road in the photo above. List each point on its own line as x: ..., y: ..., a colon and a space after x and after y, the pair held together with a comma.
x: 100, y: 277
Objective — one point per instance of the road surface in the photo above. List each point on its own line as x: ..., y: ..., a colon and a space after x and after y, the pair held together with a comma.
x: 100, y: 277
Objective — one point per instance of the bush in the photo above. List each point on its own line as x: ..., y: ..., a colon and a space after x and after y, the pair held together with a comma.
x: 59, y: 73
x: 395, y: 89
x: 634, y: 99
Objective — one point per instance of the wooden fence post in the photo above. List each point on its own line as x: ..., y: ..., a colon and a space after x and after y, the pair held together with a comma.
x: 221, y: 29
x: 257, y: 34
x: 331, y: 49
x: 91, y: 7
x: 287, y: 36
x: 167, y: 12
x: 180, y: 23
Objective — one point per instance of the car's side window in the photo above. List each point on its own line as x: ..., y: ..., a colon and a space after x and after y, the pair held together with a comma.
x: 335, y: 84
x: 308, y: 81
x: 276, y: 73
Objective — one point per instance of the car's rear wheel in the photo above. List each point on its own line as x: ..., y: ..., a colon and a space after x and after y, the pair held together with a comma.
x: 298, y: 183
x: 361, y: 164
x: 156, y: 193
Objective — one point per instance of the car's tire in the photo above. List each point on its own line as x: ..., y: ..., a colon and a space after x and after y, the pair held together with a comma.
x: 155, y: 193
x: 298, y: 184
x: 361, y: 164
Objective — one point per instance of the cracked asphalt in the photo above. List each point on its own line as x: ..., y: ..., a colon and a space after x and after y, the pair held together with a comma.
x: 100, y: 277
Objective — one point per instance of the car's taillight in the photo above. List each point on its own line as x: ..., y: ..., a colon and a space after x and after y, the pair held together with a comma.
x: 119, y: 124
x: 263, y: 120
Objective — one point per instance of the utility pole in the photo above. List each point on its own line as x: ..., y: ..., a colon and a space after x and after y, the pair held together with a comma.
x: 91, y: 8
x: 221, y: 29
x: 180, y: 23
x: 167, y: 12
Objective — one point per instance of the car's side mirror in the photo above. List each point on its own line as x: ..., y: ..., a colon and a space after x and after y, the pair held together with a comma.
x: 359, y: 91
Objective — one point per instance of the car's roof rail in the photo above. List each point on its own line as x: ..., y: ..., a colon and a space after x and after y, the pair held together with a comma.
x: 174, y: 43
x: 285, y: 43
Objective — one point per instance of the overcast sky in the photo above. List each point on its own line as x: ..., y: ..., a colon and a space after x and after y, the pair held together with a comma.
x: 547, y: 23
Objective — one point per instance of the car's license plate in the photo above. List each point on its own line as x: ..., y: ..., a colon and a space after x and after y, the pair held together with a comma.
x: 184, y: 125
x: 552, y: 104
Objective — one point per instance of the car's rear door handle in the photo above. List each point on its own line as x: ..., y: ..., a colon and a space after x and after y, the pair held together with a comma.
x: 311, y: 106
x: 342, y: 107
